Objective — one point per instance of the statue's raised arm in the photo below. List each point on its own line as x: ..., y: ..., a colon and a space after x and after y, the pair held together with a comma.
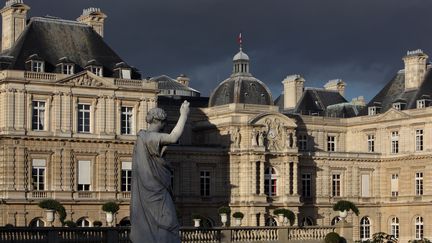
x: 179, y: 127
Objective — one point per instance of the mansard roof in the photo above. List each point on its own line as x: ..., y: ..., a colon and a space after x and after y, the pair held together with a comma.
x: 52, y: 39
x: 394, y: 91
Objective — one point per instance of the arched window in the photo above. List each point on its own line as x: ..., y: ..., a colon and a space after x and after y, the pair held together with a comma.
x: 83, y: 222
x: 335, y: 220
x: 270, y: 182
x: 419, y: 228
x: 306, y: 221
x: 270, y: 221
x: 125, y: 222
x: 365, y: 229
x: 37, y: 222
x: 394, y: 227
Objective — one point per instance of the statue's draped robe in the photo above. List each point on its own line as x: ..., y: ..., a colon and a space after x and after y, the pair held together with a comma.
x: 153, y: 216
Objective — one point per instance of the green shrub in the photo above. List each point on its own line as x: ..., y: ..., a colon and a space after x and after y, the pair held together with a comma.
x: 111, y: 207
x: 97, y: 223
x: 238, y: 215
x: 225, y: 210
x: 381, y: 237
x: 332, y: 237
x: 70, y: 224
x: 344, y: 205
x: 424, y: 240
x: 51, y: 204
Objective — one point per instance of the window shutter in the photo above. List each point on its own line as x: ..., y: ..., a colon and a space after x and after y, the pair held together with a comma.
x: 126, y: 165
x: 394, y: 184
x: 84, y: 171
x: 39, y: 163
x: 365, y: 185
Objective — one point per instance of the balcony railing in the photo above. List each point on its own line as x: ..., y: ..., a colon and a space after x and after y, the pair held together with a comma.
x: 187, y: 234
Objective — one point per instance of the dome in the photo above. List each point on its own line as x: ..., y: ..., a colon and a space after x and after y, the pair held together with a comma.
x: 241, y: 89
x: 241, y: 56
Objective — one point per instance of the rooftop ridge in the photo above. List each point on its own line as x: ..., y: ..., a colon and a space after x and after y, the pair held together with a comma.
x: 321, y: 89
x: 58, y: 21
x: 88, y: 11
x: 12, y: 2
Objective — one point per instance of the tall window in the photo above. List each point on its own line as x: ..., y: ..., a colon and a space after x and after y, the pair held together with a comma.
x: 394, y: 227
x: 365, y: 181
x: 84, y: 175
x: 419, y: 183
x: 335, y: 220
x: 395, y: 142
x: 37, y: 222
x: 365, y: 229
x: 37, y: 66
x: 419, y: 140
x: 395, y: 185
x: 419, y: 228
x: 372, y: 111
x: 336, y: 185
x: 126, y: 176
x: 38, y: 115
x: 270, y: 182
x: 371, y: 143
x: 306, y: 184
x: 38, y: 174
x: 83, y: 118
x: 302, y: 142
x: 331, y: 143
x: 83, y: 222
x: 205, y: 183
x: 126, y: 120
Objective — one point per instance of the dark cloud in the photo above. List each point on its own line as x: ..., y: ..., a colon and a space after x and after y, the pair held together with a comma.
x: 361, y: 42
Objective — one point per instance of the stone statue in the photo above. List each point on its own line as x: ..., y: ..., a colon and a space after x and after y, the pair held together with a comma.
x: 261, y: 139
x: 254, y: 138
x: 153, y: 215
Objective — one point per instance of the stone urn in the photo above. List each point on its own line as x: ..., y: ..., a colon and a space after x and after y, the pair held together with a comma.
x: 343, y: 214
x: 50, y: 216
x: 238, y: 221
x: 197, y: 222
x: 224, y: 219
x: 281, y: 218
x: 109, y: 218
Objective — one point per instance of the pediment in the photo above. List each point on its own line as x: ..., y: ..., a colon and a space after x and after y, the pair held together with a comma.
x: 265, y: 118
x: 393, y: 114
x: 87, y: 79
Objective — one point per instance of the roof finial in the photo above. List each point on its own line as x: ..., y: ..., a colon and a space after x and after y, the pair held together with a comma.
x: 240, y: 41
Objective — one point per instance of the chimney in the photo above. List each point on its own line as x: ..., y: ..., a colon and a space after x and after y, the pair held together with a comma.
x: 183, y: 79
x: 337, y: 85
x: 14, y: 17
x: 94, y: 18
x: 415, y: 68
x: 359, y: 101
x: 293, y: 90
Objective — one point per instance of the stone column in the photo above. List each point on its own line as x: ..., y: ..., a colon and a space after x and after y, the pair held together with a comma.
x: 261, y: 178
x: 57, y: 112
x: 56, y: 165
x: 69, y: 110
x: 254, y: 182
x: 354, y: 181
x: 19, y: 110
x: 295, y: 178
x: 10, y: 114
x: 287, y: 178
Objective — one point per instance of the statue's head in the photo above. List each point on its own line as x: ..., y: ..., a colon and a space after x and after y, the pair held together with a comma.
x: 156, y: 115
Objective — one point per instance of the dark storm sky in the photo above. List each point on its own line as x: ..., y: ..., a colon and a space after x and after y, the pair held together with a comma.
x: 361, y: 42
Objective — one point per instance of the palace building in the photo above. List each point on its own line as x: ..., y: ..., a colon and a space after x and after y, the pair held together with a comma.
x: 71, y: 109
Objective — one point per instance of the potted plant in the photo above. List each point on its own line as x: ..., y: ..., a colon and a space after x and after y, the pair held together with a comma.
x: 343, y: 207
x: 52, y: 206
x: 238, y: 218
x: 285, y: 216
x: 197, y: 219
x: 223, y: 212
x: 110, y: 208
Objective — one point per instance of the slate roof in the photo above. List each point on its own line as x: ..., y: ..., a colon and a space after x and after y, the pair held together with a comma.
x: 167, y: 83
x: 394, y: 91
x: 52, y: 39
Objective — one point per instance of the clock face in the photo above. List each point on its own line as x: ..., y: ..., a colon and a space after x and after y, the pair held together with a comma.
x: 271, y: 133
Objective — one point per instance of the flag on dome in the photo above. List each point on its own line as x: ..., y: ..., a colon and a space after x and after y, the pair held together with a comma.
x: 240, y: 40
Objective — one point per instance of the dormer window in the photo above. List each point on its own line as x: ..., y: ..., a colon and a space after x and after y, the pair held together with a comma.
x: 372, y: 110
x: 96, y: 70
x: 421, y: 104
x: 397, y: 106
x: 122, y: 70
x: 37, y: 66
x: 95, y: 67
x: 66, y: 66
x: 68, y: 69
